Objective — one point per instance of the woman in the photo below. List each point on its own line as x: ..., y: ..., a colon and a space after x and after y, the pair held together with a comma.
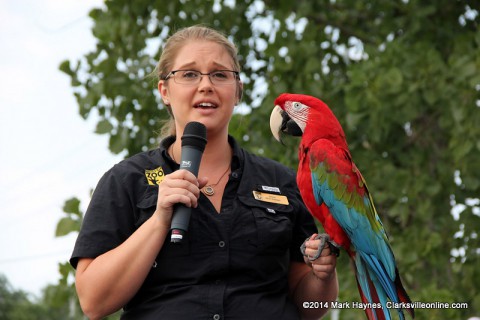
x: 240, y: 256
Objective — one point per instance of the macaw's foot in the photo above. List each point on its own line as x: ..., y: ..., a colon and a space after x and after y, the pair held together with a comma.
x: 324, y: 240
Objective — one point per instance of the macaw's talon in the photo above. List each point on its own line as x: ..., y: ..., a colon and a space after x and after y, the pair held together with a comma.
x: 334, y: 250
x: 324, y: 239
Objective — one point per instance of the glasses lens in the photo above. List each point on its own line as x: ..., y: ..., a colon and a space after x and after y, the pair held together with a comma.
x: 187, y: 76
x: 222, y: 77
x: 194, y: 77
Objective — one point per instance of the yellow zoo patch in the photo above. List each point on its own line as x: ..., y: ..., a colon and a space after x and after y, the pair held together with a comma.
x: 154, y: 176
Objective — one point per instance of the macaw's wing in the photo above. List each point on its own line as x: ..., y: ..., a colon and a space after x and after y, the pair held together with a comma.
x: 338, y: 183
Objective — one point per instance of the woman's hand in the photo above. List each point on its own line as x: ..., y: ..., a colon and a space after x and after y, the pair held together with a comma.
x: 324, y: 266
x: 180, y: 186
x: 314, y: 280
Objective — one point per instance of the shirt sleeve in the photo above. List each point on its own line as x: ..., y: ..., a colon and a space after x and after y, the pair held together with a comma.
x: 109, y: 219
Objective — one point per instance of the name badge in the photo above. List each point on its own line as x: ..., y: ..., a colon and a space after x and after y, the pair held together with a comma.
x: 272, y: 198
x: 269, y: 189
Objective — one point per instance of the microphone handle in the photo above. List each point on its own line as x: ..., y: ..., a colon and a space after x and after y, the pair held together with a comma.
x: 181, y: 214
x: 191, y: 159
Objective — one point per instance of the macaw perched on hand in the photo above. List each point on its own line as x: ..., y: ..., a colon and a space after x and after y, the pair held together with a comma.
x: 336, y: 194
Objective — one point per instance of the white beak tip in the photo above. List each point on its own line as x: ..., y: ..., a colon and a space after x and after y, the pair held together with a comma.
x: 276, y: 122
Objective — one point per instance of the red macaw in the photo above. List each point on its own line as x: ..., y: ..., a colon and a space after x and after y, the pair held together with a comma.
x: 336, y: 194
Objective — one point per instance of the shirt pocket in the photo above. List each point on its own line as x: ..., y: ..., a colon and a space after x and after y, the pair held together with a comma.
x: 146, y: 207
x: 273, y: 223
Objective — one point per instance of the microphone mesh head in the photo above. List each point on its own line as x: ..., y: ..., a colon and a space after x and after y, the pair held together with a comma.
x: 195, y: 135
x: 196, y: 128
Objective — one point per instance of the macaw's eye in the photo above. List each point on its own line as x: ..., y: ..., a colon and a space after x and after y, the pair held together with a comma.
x: 297, y: 106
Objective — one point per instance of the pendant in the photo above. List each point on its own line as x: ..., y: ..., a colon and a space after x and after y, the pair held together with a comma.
x: 208, y: 190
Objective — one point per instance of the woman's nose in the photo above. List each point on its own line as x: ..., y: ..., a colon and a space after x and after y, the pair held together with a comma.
x: 205, y: 84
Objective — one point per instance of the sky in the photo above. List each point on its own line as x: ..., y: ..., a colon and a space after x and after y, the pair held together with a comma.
x: 48, y: 153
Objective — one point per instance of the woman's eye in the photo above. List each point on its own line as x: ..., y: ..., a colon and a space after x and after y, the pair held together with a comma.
x: 190, y: 74
x: 219, y: 75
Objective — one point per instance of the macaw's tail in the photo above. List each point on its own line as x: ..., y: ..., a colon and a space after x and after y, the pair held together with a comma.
x: 403, y: 296
x: 376, y: 288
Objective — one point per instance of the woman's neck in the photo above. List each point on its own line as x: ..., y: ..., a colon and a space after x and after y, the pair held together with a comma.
x: 217, y: 154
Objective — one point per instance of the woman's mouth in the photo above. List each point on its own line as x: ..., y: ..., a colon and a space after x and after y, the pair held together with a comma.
x: 205, y: 105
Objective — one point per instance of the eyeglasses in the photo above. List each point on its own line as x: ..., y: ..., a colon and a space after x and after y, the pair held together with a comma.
x: 192, y: 77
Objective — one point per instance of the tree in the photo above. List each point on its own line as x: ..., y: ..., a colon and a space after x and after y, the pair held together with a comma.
x: 63, y: 295
x: 18, y: 305
x: 403, y: 77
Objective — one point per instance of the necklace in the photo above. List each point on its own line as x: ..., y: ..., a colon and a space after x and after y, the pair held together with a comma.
x: 209, y: 190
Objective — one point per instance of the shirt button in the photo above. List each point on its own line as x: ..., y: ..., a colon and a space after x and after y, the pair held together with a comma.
x: 221, y: 244
x: 235, y: 175
x: 216, y: 317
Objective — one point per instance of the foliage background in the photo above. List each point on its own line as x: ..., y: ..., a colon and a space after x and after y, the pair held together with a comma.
x: 403, y: 77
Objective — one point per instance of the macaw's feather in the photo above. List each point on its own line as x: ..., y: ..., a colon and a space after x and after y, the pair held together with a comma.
x: 336, y: 193
x: 338, y: 184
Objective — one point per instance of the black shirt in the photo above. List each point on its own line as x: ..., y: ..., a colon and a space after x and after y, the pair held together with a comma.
x: 231, y: 265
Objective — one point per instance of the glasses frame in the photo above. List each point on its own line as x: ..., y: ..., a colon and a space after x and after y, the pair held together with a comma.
x: 172, y: 75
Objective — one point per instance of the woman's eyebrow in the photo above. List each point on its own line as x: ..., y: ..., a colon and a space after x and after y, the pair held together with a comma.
x: 192, y: 65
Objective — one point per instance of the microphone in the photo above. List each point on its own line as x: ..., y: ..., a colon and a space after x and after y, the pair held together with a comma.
x: 194, y: 140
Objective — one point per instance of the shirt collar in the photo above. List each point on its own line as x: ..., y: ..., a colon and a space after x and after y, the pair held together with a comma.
x: 164, y: 145
x: 237, y: 158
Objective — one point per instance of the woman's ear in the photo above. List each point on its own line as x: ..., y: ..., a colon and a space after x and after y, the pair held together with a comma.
x: 163, y: 90
x: 239, y: 91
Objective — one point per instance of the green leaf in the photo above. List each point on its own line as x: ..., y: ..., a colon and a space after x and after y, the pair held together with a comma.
x: 104, y: 126
x: 72, y: 205
x: 67, y: 225
x: 462, y: 149
x: 394, y: 79
x: 65, y: 269
x: 353, y: 120
x: 120, y: 141
x: 65, y: 67
x: 472, y: 183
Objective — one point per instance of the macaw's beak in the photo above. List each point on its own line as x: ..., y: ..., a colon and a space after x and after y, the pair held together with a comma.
x: 280, y: 121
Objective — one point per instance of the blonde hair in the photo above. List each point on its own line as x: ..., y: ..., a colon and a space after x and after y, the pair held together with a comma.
x: 173, y: 45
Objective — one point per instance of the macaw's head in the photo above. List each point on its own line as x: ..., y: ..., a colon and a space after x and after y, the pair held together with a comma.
x: 306, y: 116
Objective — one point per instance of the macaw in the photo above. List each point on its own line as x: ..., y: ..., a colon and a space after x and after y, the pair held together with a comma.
x: 335, y: 193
